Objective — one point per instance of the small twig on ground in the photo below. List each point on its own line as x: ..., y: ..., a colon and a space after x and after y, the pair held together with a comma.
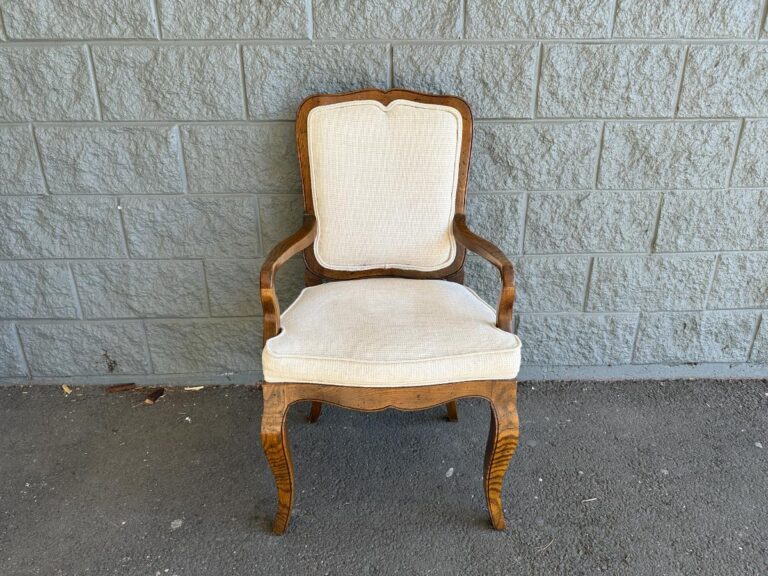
x: 542, y: 548
x: 588, y: 500
x: 116, y: 388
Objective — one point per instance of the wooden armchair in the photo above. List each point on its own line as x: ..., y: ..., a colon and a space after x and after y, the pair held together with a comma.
x: 385, y: 321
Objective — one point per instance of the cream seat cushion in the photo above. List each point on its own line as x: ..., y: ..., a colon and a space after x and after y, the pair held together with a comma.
x: 390, y: 332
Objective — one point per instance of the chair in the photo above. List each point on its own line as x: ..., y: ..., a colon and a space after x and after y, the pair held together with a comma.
x: 385, y: 321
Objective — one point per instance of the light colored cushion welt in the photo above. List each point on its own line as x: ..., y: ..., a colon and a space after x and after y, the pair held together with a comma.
x: 390, y: 332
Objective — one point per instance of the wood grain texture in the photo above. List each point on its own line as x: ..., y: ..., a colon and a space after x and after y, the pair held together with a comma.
x: 502, y: 437
x: 278, y: 452
x: 385, y: 97
x: 453, y: 411
x: 303, y: 240
x: 278, y: 397
x: 278, y: 256
x: 314, y: 412
x: 495, y: 256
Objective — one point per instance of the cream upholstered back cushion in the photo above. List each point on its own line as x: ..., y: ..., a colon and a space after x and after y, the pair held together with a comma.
x: 384, y: 183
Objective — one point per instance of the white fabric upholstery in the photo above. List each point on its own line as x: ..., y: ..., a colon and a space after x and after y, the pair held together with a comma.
x: 384, y: 183
x: 390, y: 332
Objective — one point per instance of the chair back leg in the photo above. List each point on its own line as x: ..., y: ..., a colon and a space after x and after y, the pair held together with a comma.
x: 314, y: 411
x: 453, y: 411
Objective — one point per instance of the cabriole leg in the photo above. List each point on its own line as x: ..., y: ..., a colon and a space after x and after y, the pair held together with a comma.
x: 275, y: 443
x: 502, y: 441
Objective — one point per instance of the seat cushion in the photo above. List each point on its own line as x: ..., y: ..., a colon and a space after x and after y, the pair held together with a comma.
x: 390, y: 332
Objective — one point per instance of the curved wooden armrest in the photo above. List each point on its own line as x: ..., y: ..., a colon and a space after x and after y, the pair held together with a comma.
x: 495, y: 256
x: 279, y: 255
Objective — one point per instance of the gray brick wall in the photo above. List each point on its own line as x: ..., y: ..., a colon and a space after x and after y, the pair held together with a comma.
x: 147, y: 164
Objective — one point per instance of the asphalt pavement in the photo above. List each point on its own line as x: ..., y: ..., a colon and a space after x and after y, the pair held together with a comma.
x: 637, y: 478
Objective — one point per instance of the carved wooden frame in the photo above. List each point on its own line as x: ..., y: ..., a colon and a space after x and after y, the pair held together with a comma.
x: 279, y: 396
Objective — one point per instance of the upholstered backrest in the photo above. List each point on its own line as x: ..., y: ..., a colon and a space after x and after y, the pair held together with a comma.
x: 384, y: 183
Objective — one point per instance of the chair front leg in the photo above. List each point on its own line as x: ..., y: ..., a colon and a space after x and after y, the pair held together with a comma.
x: 502, y: 442
x: 278, y: 452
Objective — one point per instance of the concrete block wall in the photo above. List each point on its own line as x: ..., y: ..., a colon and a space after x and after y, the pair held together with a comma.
x: 147, y: 164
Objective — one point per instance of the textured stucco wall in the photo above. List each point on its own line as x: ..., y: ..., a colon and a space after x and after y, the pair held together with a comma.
x: 147, y: 164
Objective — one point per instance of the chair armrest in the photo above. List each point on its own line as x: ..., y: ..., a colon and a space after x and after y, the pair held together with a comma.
x: 279, y: 255
x: 495, y: 256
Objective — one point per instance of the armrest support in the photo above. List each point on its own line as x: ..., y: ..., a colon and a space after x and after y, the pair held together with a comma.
x: 279, y: 255
x: 495, y: 256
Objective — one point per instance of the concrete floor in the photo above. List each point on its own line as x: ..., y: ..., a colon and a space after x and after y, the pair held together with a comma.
x: 633, y: 478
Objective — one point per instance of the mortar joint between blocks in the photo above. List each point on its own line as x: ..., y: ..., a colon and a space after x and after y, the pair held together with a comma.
x: 155, y: 11
x: 633, y: 354
x: 761, y: 21
x: 679, y: 85
x: 544, y: 40
x: 538, y: 63
x: 181, y: 158
x: 310, y: 19
x: 94, y: 84
x: 123, y: 231
x: 75, y: 291
x: 523, y: 222
x: 243, y: 84
x: 711, y: 282
x: 587, y: 283
x: 463, y: 17
x: 147, y: 348
x: 22, y: 352
x: 656, y: 225
x: 758, y: 324
x: 39, y: 155
x: 614, y: 16
x: 204, y: 269
x: 3, y: 31
x: 735, y: 154
x: 601, y: 139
